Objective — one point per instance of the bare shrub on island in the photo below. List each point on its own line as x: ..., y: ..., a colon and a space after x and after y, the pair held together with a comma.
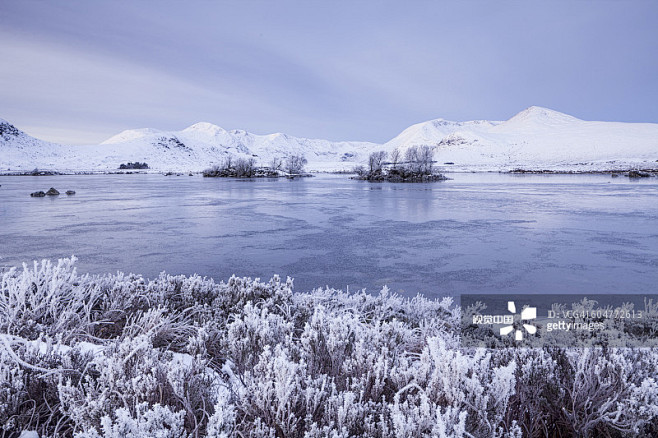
x: 395, y: 158
x: 295, y: 164
x: 276, y: 164
x: 417, y: 167
x: 240, y: 168
x: 244, y: 167
x: 376, y: 161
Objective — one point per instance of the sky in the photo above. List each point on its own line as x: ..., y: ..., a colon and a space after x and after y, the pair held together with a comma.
x: 78, y: 72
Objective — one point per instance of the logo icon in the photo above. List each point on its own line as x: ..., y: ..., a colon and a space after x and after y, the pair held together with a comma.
x: 527, y: 313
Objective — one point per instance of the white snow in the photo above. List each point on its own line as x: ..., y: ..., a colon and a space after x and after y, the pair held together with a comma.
x: 535, y: 138
x: 131, y: 135
x: 431, y: 132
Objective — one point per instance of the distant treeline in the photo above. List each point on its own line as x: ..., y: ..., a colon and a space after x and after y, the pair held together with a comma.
x: 135, y: 165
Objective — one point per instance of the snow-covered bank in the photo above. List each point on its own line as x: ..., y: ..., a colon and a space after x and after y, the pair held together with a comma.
x: 175, y: 356
x: 534, y: 139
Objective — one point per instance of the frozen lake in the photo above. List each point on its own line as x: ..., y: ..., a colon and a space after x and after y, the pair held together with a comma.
x: 477, y: 233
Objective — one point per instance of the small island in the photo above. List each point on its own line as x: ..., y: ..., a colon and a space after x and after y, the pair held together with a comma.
x: 135, y: 165
x: 293, y: 167
x: 416, y: 167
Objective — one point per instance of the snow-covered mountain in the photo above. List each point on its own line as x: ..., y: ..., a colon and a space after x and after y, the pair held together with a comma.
x: 535, y: 138
x: 203, y: 144
x: 19, y: 150
x: 192, y: 149
x: 433, y: 131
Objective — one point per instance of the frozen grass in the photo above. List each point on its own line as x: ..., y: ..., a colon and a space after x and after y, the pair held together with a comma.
x: 120, y: 356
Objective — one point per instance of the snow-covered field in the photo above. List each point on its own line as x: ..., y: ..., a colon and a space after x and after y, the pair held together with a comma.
x: 534, y: 139
x: 121, y: 356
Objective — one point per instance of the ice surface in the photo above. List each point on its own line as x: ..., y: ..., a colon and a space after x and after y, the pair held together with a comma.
x: 477, y: 233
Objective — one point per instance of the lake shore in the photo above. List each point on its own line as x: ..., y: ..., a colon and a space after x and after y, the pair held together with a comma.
x: 442, y: 169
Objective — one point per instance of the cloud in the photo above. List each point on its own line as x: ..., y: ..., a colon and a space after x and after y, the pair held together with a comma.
x: 359, y: 70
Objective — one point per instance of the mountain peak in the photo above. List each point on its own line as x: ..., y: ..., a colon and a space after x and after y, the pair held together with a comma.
x: 444, y: 122
x: 540, y: 114
x: 206, y: 128
x: 130, y: 135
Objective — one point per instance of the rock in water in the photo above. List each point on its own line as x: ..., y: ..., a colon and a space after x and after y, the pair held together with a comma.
x: 70, y: 192
x: 52, y: 192
x: 38, y: 194
x: 638, y: 174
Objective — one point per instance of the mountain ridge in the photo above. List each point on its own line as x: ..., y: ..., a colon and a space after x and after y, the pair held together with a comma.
x: 534, y: 138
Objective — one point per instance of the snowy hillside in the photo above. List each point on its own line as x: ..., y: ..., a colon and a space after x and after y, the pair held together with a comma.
x: 433, y: 131
x: 21, y: 151
x: 535, y: 138
x: 192, y: 149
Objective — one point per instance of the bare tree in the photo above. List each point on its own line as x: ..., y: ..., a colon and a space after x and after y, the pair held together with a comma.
x: 295, y: 164
x: 276, y: 163
x: 360, y: 170
x: 426, y: 157
x: 244, y: 167
x: 420, y: 159
x: 411, y: 158
x: 395, y: 157
x: 376, y: 160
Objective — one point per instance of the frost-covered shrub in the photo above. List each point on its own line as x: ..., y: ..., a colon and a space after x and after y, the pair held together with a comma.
x: 472, y: 383
x: 237, y: 292
x: 30, y: 372
x: 131, y: 372
x: 222, y: 423
x: 327, y: 342
x: 119, y: 355
x: 605, y: 396
x: 274, y: 392
x: 148, y: 421
x: 537, y: 399
x: 12, y: 392
x: 250, y: 332
x: 48, y: 299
